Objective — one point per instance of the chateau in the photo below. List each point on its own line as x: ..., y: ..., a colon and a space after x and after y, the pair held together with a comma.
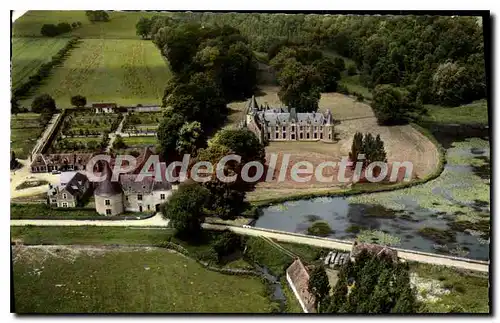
x: 130, y: 193
x: 283, y: 124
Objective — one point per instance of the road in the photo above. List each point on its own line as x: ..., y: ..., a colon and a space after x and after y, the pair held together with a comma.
x: 154, y: 221
x: 158, y: 221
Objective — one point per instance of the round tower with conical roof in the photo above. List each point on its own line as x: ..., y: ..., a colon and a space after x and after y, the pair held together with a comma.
x: 108, y: 195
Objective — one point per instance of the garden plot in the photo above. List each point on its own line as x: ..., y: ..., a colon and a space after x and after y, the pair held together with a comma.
x: 85, y: 132
x: 142, y: 123
x: 25, y: 130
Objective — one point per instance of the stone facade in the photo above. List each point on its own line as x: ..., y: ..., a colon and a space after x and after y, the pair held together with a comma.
x: 109, y: 205
x: 283, y: 124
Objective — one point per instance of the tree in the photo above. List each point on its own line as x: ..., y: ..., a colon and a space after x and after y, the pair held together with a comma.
x: 356, y: 147
x: 119, y: 143
x: 43, y: 103
x: 339, y: 64
x: 143, y: 27
x: 190, y: 138
x: 168, y: 134
x: 14, y: 107
x: 78, y: 101
x: 242, y: 142
x: 300, y: 86
x: 185, y: 209
x: 450, y: 83
x: 393, y: 105
x: 49, y: 30
x: 63, y: 27
x: 97, y: 15
x: 226, y: 198
x: 351, y: 70
x: 329, y: 74
x: 319, y: 285
x: 227, y: 243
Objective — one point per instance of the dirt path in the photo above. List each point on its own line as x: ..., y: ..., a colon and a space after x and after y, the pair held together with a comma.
x: 155, y: 221
x: 402, y: 143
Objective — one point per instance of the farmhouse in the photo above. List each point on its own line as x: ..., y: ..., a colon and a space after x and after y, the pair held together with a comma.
x: 284, y: 124
x: 69, y: 193
x: 104, y: 107
x: 130, y: 193
x: 64, y: 162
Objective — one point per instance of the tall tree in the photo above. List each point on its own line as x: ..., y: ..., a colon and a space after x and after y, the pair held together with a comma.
x: 319, y: 285
x: 143, y: 27
x: 78, y: 101
x: 43, y: 103
x: 185, y: 209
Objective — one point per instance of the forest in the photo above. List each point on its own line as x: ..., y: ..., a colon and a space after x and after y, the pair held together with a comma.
x: 433, y: 59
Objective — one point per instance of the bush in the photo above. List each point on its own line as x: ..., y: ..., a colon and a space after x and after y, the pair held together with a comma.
x: 319, y: 228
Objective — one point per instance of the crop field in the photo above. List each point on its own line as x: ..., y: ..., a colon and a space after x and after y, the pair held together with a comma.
x: 58, y: 279
x: 127, y: 72
x: 30, y: 53
x: 25, y: 130
x: 120, y: 26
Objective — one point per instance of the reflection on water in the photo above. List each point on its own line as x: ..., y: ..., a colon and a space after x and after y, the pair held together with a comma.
x: 347, y: 218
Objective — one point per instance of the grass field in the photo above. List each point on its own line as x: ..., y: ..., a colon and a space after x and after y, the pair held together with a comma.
x: 475, y: 112
x: 140, y: 141
x: 28, y: 54
x: 25, y: 130
x: 96, y: 280
x: 127, y: 72
x: 89, y: 235
x: 120, y: 26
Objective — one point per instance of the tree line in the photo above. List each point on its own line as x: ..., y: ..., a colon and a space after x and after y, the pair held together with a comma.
x: 412, y: 60
x: 43, y: 71
x: 52, y: 30
x: 211, y: 66
x: 370, y: 284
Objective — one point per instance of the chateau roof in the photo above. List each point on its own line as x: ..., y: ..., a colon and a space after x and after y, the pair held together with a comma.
x: 146, y: 185
x: 107, y: 187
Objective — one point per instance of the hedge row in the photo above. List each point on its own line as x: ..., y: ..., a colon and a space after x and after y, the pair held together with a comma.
x: 372, y: 188
x: 43, y: 71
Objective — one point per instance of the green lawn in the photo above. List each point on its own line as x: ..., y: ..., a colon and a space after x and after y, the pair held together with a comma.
x: 120, y: 26
x: 140, y: 140
x: 468, y: 293
x: 25, y: 130
x: 125, y: 71
x: 125, y: 280
x: 28, y: 54
x: 88, y: 235
x: 353, y: 84
x: 475, y: 112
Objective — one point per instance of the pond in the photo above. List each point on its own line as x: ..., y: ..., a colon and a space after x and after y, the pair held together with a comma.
x: 454, y: 208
